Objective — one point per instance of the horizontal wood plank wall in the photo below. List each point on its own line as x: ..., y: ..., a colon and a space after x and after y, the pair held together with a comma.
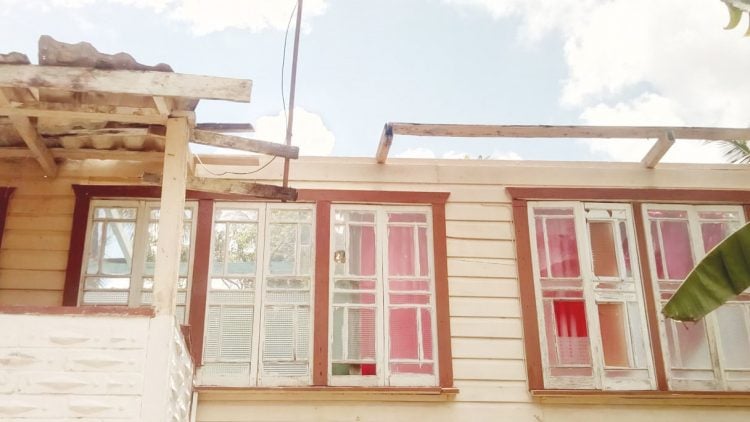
x: 485, y: 311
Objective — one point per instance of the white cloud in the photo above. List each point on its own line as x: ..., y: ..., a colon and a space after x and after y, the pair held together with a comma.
x: 416, y: 153
x: 202, y: 16
x: 255, y: 15
x: 636, y: 62
x: 309, y: 132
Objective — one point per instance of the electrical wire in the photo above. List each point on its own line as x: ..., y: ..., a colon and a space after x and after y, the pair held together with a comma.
x: 241, y: 173
x: 283, y: 59
x: 283, y: 102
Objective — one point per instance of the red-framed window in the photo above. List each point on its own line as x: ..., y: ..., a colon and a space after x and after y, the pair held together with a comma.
x: 266, y: 270
x: 595, y: 267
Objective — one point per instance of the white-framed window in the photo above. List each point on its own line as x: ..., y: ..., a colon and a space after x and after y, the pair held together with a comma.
x: 258, y: 327
x: 382, y: 321
x: 120, y: 254
x: 714, y: 353
x: 589, y: 294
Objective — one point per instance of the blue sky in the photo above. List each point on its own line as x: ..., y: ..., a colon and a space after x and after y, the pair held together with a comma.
x: 363, y: 63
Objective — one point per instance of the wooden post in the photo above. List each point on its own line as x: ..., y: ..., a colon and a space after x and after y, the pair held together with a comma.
x: 169, y: 243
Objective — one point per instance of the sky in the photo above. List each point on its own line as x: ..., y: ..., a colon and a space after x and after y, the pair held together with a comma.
x: 364, y: 63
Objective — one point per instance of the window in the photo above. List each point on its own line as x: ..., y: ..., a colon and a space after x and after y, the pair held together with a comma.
x: 595, y: 275
x: 320, y: 292
x: 590, y: 293
x: 382, y: 297
x: 120, y: 255
x: 258, y: 317
x: 713, y: 354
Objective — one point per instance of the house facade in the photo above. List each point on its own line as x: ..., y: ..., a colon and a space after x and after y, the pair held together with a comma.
x: 435, y: 289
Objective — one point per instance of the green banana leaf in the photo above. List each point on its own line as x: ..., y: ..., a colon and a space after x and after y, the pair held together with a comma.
x: 722, y: 274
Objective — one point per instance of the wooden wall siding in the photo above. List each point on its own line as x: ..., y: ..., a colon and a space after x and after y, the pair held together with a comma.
x: 485, y: 311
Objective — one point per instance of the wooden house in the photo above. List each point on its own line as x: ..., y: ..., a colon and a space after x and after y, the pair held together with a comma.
x: 140, y: 282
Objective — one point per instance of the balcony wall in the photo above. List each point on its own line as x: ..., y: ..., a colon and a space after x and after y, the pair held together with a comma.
x: 91, y: 365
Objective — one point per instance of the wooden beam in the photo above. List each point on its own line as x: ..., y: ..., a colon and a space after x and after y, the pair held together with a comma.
x: 228, y: 186
x: 543, y: 131
x: 252, y: 145
x: 226, y: 127
x: 386, y: 139
x: 661, y: 146
x: 86, y: 154
x: 163, y: 105
x: 85, y: 112
x: 169, y: 244
x: 136, y: 82
x: 31, y: 137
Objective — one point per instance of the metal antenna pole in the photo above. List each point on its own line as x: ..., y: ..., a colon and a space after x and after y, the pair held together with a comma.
x: 292, y: 88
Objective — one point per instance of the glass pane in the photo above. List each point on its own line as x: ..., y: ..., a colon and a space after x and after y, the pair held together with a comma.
x: 402, y: 299
x: 553, y: 211
x: 572, y: 333
x: 426, y: 333
x: 424, y: 267
x: 411, y: 368
x: 603, y: 252
x: 236, y: 215
x: 291, y: 215
x: 401, y: 251
x: 115, y: 213
x: 718, y: 215
x: 403, y: 334
x: 361, y: 254
x: 563, y: 248
x: 625, y: 249
x: 95, y: 248
x: 409, y: 285
x: 688, y: 347
x: 541, y: 247
x: 355, y: 216
x: 667, y: 214
x: 241, y: 248
x: 118, y: 248
x: 361, y: 344
x: 102, y: 283
x: 407, y: 217
x: 355, y: 284
x: 283, y: 251
x: 614, y: 330
x: 353, y: 334
x: 733, y: 335
x: 714, y: 233
x: 232, y: 284
x: 677, y: 253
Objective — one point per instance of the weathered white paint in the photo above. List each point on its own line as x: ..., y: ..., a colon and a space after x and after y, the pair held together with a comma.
x: 89, y: 368
x: 489, y: 362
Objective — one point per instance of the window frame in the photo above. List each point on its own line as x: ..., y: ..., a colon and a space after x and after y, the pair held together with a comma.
x: 697, y: 250
x: 598, y: 380
x: 636, y: 197
x: 384, y: 377
x: 143, y: 207
x: 322, y: 200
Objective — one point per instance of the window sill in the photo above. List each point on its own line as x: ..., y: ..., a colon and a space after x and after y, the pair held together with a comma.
x: 328, y: 393
x: 98, y: 310
x: 692, y: 398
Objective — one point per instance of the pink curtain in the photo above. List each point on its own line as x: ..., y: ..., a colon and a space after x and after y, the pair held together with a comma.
x: 572, y: 332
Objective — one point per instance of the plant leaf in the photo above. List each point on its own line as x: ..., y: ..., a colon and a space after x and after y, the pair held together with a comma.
x: 720, y: 276
x: 734, y: 16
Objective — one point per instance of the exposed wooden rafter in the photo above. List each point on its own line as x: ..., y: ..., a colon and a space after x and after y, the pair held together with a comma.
x: 104, y: 113
x: 661, y: 146
x: 543, y: 131
x: 235, y: 187
x: 136, y: 82
x: 226, y: 127
x: 31, y: 137
x: 252, y: 145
